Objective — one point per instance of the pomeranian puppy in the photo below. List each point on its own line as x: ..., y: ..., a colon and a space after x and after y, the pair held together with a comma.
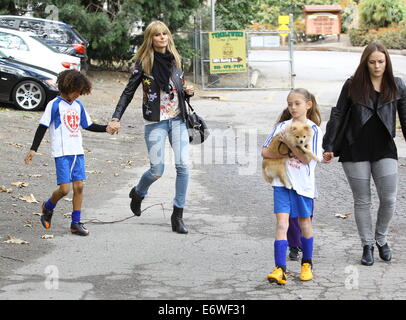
x: 298, y: 134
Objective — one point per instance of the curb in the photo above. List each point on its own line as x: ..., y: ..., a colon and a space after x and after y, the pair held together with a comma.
x: 345, y: 49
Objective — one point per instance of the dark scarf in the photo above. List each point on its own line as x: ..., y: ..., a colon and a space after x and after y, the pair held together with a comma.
x: 161, y: 70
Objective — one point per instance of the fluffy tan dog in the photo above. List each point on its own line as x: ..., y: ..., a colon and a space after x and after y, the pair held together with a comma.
x: 298, y: 135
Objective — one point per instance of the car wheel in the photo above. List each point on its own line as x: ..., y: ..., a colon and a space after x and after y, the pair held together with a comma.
x: 29, y: 95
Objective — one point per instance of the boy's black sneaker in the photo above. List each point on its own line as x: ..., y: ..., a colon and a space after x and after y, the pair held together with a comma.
x: 46, y: 216
x: 79, y: 229
x: 294, y: 253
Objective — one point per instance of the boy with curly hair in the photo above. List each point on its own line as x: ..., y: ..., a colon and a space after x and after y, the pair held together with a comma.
x: 64, y: 116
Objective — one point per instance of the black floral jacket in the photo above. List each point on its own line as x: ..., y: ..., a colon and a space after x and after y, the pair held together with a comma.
x: 151, y: 93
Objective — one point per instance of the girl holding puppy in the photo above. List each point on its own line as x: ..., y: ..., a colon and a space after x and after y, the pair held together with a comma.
x: 298, y: 201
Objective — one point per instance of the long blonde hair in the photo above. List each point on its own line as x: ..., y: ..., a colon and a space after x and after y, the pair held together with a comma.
x: 145, y: 54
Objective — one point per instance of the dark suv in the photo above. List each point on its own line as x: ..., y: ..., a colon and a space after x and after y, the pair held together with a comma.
x: 63, y: 37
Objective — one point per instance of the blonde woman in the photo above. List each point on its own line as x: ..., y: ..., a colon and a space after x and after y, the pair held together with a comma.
x: 158, y: 69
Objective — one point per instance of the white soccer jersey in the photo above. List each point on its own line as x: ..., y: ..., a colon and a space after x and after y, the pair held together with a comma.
x: 63, y: 120
x: 301, y: 176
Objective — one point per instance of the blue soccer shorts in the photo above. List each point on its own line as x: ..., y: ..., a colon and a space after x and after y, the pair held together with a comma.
x: 288, y: 201
x: 70, y: 168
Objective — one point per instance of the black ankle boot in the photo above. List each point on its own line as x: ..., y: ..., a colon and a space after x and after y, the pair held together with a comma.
x: 177, y: 222
x: 385, y: 252
x: 135, y: 204
x: 368, y: 256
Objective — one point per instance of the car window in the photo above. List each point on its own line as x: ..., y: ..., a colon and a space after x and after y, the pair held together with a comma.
x: 7, y: 22
x: 11, y: 41
x: 78, y: 36
x: 48, y: 30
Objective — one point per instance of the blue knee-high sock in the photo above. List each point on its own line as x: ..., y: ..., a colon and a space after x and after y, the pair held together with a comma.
x: 280, y: 247
x: 49, y: 205
x: 307, y: 248
x: 75, y: 216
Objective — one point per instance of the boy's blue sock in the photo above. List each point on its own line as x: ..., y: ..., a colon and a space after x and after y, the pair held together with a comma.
x: 49, y: 205
x: 280, y: 247
x: 75, y: 216
x: 307, y: 248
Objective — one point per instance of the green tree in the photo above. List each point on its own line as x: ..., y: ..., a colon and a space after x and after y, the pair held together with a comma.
x: 381, y: 13
x: 109, y: 29
x: 236, y: 14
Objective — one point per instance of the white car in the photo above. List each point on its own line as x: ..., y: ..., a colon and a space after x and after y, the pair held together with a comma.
x: 27, y: 47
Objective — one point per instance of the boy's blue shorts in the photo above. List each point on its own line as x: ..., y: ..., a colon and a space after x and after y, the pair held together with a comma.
x: 70, y: 168
x: 288, y: 201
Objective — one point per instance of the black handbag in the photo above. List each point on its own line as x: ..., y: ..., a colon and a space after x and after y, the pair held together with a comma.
x: 196, y: 126
x: 338, y: 141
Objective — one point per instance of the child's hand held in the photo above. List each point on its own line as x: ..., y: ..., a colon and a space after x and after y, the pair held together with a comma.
x: 30, y: 155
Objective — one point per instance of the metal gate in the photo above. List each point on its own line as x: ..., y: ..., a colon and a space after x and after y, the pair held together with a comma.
x: 270, y: 64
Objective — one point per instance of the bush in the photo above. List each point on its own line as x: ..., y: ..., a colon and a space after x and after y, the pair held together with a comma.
x: 381, y: 13
x: 358, y: 37
x: 393, y: 37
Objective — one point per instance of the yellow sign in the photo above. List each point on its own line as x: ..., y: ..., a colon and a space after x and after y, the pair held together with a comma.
x: 283, y: 19
x: 228, y: 53
x: 283, y: 28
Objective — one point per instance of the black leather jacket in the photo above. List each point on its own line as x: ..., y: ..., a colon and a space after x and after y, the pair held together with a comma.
x: 151, y: 93
x: 361, y: 113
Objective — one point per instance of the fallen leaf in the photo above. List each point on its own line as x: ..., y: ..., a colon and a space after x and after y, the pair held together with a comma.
x: 28, y: 224
x: 4, y: 189
x: 67, y: 215
x: 18, y: 145
x: 29, y: 199
x: 37, y: 214
x: 68, y: 199
x: 19, y: 184
x: 47, y: 236
x: 116, y: 174
x: 94, y: 171
x: 13, y: 240
x: 343, y: 215
x: 35, y: 175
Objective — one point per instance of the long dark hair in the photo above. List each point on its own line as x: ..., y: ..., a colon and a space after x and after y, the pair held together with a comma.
x: 313, y: 113
x: 361, y: 88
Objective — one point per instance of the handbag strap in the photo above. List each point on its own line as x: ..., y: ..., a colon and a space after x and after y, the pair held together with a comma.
x: 190, y: 107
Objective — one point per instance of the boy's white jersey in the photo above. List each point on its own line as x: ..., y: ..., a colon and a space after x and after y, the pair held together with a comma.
x: 301, y: 176
x: 64, y: 120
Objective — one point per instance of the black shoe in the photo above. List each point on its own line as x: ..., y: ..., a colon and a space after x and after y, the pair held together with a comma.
x: 368, y: 256
x: 177, y: 222
x: 46, y: 216
x: 135, y: 204
x: 294, y: 253
x: 79, y: 229
x: 385, y: 252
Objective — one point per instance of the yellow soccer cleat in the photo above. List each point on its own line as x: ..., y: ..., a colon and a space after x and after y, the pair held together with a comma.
x: 277, y: 276
x: 306, y: 274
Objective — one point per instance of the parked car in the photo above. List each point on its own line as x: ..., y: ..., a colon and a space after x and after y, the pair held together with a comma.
x: 29, y: 48
x: 61, y: 36
x: 26, y: 86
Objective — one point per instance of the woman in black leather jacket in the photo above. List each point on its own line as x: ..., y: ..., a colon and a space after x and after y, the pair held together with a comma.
x: 361, y: 131
x: 158, y: 68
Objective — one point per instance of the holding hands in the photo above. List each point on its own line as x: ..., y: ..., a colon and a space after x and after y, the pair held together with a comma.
x: 113, y: 126
x: 328, y: 157
x: 30, y: 155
